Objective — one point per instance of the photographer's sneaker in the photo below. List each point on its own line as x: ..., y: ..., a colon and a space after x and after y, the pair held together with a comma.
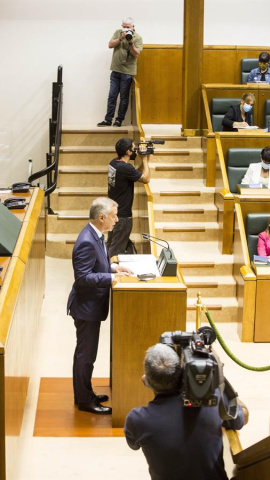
x: 104, y: 124
x: 117, y: 123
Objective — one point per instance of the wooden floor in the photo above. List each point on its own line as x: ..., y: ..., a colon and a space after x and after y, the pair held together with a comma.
x: 57, y: 416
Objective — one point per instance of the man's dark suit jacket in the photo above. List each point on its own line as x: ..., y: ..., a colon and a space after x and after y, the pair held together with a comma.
x: 234, y: 115
x: 89, y: 297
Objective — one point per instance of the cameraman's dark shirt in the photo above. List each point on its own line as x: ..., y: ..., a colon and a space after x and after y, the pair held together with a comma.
x: 179, y: 443
x: 121, y: 178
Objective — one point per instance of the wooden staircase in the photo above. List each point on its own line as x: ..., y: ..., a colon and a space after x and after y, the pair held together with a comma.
x: 185, y: 216
x: 82, y: 176
x: 184, y: 210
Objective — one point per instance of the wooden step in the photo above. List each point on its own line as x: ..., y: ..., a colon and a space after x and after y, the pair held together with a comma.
x: 83, y: 176
x: 96, y: 136
x: 75, y: 221
x: 175, y: 140
x: 179, y: 193
x: 176, y: 170
x: 184, y: 229
x: 61, y: 245
x: 79, y: 198
x: 177, y: 155
x: 196, y: 264
x: 178, y: 231
x: 95, y: 155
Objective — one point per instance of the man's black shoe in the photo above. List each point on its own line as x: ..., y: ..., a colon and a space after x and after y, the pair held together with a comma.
x: 95, y: 407
x: 117, y: 123
x: 100, y: 398
x: 104, y: 124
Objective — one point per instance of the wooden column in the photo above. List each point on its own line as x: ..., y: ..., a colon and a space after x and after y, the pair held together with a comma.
x: 192, y: 65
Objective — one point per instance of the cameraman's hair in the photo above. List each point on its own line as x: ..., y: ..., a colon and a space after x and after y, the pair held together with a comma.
x: 129, y: 20
x: 122, y: 146
x: 264, y: 57
x: 101, y: 205
x: 162, y: 368
x: 265, y: 154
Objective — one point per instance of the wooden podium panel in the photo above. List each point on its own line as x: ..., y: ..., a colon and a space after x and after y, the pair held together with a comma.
x: 262, y: 325
x: 141, y: 312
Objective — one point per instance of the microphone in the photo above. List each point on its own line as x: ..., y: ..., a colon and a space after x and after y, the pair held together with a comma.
x: 167, y: 263
x: 148, y: 237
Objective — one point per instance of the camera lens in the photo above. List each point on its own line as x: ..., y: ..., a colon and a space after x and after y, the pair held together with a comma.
x: 129, y: 35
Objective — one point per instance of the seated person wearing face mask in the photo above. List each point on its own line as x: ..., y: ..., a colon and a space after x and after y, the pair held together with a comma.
x: 262, y: 73
x: 259, y: 172
x: 239, y: 115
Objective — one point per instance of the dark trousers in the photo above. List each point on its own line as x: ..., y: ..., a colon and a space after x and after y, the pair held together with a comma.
x: 85, y: 354
x: 119, y: 83
x: 118, y: 240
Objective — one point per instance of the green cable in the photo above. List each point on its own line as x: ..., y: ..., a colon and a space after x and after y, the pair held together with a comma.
x: 228, y: 351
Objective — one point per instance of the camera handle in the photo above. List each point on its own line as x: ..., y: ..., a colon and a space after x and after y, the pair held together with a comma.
x: 227, y: 405
x: 230, y: 412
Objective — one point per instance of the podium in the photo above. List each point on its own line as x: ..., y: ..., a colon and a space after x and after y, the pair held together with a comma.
x: 141, y: 312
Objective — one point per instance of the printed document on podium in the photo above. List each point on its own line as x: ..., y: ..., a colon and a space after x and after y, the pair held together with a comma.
x: 139, y: 264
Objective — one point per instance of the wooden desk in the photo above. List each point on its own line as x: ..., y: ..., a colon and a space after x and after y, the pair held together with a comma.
x: 21, y: 297
x: 224, y: 199
x: 262, y: 324
x: 222, y: 90
x: 243, y: 189
x: 141, y: 312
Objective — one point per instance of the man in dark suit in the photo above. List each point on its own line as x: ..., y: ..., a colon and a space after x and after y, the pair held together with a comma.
x: 88, y: 301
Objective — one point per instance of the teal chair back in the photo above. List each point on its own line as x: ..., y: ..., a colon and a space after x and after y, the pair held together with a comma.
x: 247, y: 64
x: 255, y: 224
x: 238, y: 161
x: 220, y: 106
x: 267, y: 113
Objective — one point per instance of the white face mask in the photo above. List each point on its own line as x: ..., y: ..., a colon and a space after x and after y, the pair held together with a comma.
x: 247, y: 107
x: 265, y: 166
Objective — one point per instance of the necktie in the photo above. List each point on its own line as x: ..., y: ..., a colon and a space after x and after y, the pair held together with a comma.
x: 102, y: 242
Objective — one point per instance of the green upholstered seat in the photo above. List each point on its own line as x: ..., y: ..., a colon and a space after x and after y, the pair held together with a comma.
x: 255, y: 224
x: 267, y: 113
x: 220, y: 106
x: 247, y: 64
x: 238, y: 161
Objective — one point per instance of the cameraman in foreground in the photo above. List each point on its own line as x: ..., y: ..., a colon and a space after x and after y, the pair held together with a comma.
x: 121, y: 178
x: 179, y: 443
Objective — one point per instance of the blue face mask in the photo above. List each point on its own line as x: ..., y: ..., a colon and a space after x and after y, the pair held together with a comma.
x: 247, y: 107
x: 266, y: 166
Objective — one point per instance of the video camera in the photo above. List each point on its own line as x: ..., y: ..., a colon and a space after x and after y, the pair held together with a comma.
x: 202, y: 371
x: 149, y: 146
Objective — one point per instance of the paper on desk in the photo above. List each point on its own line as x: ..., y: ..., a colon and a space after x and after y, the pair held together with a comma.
x: 136, y: 258
x: 139, y: 264
x: 249, y: 127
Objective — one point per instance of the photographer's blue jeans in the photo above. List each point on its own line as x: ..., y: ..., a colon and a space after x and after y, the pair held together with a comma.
x: 119, y: 84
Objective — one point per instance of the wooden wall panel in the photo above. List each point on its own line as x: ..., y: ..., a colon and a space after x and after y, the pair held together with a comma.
x: 219, y: 66
x: 160, y: 79
x: 160, y: 72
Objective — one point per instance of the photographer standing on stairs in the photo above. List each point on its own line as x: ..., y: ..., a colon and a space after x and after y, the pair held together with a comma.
x: 121, y: 178
x: 127, y: 46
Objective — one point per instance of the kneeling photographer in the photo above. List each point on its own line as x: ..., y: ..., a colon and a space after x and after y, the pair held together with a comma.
x: 179, y: 440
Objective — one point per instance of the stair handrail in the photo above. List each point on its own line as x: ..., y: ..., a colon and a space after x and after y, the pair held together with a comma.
x: 149, y: 194
x: 55, y: 133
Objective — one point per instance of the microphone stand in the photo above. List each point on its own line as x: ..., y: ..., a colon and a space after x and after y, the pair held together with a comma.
x: 167, y: 263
